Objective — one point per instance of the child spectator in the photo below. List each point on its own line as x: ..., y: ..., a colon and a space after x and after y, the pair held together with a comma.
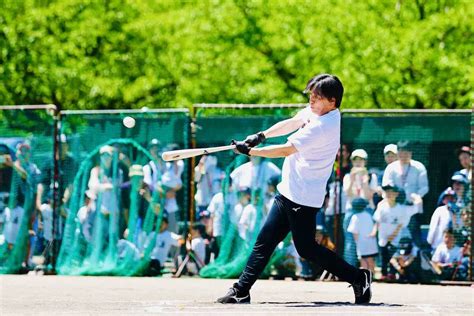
x: 448, y: 258
x: 86, y: 215
x: 460, y: 185
x: 198, y: 246
x: 217, y: 207
x: 361, y: 226
x: 404, y: 261
x: 444, y: 217
x: 391, y: 218
x: 464, y: 156
x: 163, y: 243
x: 208, y: 181
x: 359, y: 183
x: 248, y: 218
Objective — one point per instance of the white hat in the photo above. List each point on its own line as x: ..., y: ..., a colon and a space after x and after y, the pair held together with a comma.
x: 390, y: 148
x: 359, y: 153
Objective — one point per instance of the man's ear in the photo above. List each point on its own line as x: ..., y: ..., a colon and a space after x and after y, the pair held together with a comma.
x: 333, y: 101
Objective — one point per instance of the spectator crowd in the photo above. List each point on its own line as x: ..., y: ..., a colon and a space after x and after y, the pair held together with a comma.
x: 381, y: 211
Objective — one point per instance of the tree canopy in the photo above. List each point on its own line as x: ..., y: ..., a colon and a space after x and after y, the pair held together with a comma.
x: 96, y: 54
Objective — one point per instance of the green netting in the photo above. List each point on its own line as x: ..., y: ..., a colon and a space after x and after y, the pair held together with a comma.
x: 216, y: 127
x: 435, y: 139
x: 113, y: 205
x: 26, y: 149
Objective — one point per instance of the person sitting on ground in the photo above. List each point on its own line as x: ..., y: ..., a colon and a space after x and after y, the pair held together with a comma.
x: 448, y: 258
x: 404, y: 261
x: 163, y: 243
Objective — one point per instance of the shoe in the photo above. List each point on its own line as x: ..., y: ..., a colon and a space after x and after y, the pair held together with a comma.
x: 361, y: 287
x: 234, y: 297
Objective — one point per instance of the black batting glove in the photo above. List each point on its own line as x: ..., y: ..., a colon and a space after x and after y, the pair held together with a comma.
x: 255, y: 139
x: 241, y: 147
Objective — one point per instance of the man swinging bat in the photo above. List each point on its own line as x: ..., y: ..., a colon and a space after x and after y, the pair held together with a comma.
x: 309, y: 158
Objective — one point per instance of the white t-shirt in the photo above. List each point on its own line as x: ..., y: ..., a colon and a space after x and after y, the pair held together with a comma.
x: 254, y: 176
x: 47, y: 216
x: 362, y: 224
x: 306, y: 172
x: 444, y: 255
x: 389, y: 218
x: 163, y: 243
x: 199, y: 247
x: 13, y: 219
x: 440, y: 220
x: 235, y: 215
x: 208, y: 181
x: 247, y: 222
x: 357, y: 190
x: 217, y: 208
x: 412, y: 178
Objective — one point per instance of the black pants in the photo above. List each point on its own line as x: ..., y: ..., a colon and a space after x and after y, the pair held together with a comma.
x: 286, y: 216
x: 386, y: 254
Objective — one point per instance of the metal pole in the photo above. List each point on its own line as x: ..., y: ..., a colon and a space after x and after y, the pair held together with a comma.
x: 56, y: 184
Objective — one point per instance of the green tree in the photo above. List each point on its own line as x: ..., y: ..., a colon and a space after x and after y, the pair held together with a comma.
x: 99, y: 54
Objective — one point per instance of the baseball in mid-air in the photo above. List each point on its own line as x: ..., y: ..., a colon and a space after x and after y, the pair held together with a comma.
x: 128, y: 121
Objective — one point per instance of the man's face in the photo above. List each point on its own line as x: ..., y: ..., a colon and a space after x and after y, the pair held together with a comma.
x: 404, y: 156
x: 465, y: 160
x: 390, y: 157
x: 320, y: 105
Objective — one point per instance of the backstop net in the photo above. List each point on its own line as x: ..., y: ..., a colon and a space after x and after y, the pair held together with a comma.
x: 115, y: 189
x: 26, y: 209
x: 237, y: 192
x: 423, y: 154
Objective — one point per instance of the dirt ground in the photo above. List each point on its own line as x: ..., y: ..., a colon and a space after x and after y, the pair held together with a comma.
x: 47, y: 295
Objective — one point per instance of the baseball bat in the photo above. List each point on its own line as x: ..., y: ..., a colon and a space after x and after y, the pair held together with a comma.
x: 188, y: 153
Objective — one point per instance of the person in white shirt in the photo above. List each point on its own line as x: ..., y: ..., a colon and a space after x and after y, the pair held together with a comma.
x: 359, y: 183
x: 220, y: 208
x: 447, y: 256
x: 464, y: 156
x: 198, y: 244
x: 309, y: 158
x: 207, y: 177
x: 162, y: 245
x: 391, y: 220
x: 254, y: 174
x: 410, y: 176
x: 165, y: 177
x: 443, y: 218
x: 361, y: 227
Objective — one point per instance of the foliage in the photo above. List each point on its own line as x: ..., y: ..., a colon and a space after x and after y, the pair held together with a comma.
x: 96, y: 54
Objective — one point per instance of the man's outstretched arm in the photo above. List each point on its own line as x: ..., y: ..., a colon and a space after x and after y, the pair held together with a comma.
x: 274, y: 151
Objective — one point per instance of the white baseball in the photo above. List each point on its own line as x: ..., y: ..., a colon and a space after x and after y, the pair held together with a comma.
x: 129, y: 122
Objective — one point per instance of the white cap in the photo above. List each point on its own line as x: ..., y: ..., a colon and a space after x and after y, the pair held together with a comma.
x: 359, y: 153
x: 390, y: 148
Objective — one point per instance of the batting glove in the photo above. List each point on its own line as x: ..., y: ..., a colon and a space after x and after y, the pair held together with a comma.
x: 255, y: 139
x: 241, y: 147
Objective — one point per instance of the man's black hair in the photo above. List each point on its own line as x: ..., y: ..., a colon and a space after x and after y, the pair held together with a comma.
x: 327, y: 86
